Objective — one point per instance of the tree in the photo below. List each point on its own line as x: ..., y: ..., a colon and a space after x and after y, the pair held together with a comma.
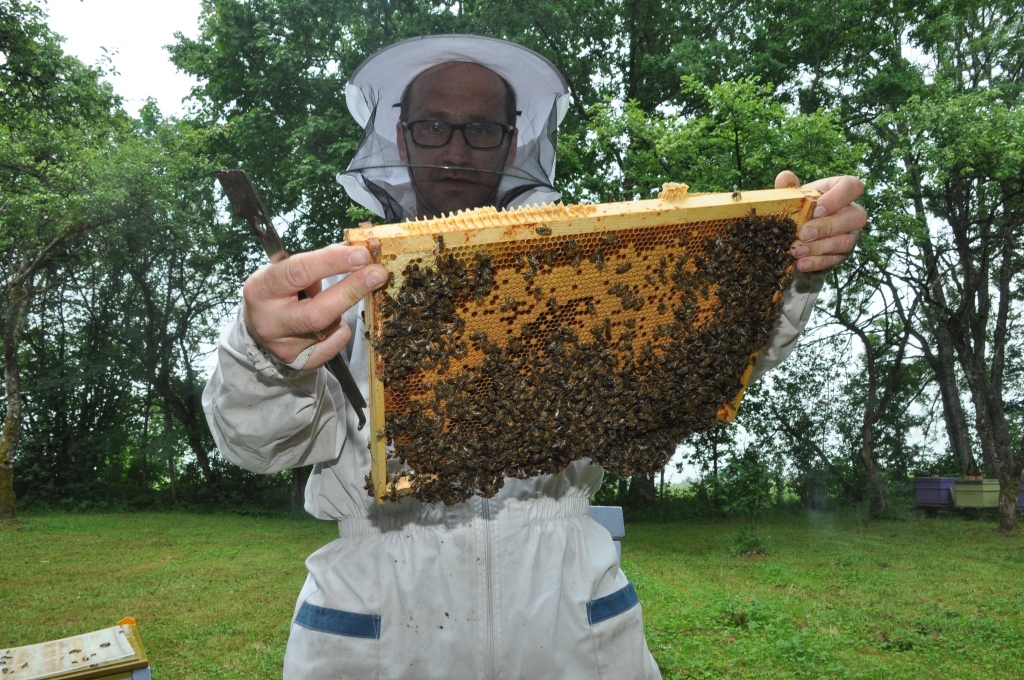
x: 79, y: 394
x: 975, y: 155
x: 58, y: 179
x: 866, y: 308
x: 792, y: 415
x: 271, y: 74
x: 744, y: 138
x: 182, y: 265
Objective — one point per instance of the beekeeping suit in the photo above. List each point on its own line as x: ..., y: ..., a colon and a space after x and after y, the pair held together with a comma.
x: 522, y: 585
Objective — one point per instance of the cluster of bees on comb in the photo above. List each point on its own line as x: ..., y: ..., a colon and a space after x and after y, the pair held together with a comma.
x: 514, y: 360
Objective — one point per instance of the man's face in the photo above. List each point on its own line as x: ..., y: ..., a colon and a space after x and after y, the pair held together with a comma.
x: 456, y: 92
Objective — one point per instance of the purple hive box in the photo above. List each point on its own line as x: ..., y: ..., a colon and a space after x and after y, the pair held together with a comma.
x: 936, y: 492
x: 1020, y: 496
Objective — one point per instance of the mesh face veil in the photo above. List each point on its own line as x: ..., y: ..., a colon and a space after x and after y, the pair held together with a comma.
x: 386, y: 176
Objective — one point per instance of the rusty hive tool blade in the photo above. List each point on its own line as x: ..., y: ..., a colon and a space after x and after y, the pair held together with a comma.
x: 247, y: 204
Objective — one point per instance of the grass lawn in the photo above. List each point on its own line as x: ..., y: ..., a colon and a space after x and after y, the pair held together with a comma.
x: 213, y: 594
x: 836, y: 599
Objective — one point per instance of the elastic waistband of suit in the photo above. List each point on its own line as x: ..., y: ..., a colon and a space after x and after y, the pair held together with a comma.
x: 508, y: 511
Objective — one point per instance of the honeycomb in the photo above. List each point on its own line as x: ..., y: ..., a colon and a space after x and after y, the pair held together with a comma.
x: 508, y: 344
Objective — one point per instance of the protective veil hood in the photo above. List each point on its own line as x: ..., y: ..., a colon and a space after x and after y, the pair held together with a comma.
x: 378, y: 179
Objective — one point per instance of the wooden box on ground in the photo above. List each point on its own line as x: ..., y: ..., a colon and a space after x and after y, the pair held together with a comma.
x: 114, y: 653
x: 934, y: 492
x: 509, y: 343
x: 976, y: 493
x: 610, y: 517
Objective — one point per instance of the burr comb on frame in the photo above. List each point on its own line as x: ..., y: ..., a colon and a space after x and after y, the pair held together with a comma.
x: 511, y: 343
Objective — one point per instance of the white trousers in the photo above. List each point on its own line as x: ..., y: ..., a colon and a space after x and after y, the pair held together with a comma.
x: 489, y: 589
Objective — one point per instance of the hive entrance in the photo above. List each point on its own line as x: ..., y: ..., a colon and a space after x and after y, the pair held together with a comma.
x: 511, y: 344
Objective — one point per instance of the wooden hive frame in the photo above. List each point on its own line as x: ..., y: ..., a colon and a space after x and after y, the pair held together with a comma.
x: 114, y: 653
x: 396, y: 246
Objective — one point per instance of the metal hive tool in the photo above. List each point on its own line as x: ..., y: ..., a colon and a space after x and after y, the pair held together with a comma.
x: 508, y: 344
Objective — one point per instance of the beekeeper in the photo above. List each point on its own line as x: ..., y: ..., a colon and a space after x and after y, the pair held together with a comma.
x: 522, y: 585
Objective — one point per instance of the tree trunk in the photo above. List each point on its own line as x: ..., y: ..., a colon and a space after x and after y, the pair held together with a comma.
x: 195, y: 442
x: 714, y: 454
x: 944, y: 367
x: 944, y: 362
x: 867, y: 456
x: 17, y: 310
x: 298, y: 489
x: 641, y: 490
x: 185, y: 414
x: 1009, y: 489
x: 12, y: 420
x: 875, y: 404
x: 994, y: 432
x: 145, y: 434
x: 174, y: 487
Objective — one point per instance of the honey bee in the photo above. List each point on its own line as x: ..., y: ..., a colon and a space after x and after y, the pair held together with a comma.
x: 515, y: 412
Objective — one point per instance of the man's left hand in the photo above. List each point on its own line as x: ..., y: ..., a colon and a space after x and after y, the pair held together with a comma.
x: 829, y: 237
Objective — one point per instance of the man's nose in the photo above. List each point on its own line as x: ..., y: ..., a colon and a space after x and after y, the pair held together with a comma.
x: 457, y: 151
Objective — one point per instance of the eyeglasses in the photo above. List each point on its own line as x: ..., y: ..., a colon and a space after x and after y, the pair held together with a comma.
x: 437, y: 133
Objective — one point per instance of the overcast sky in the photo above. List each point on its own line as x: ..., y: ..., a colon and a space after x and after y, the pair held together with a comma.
x: 135, y: 33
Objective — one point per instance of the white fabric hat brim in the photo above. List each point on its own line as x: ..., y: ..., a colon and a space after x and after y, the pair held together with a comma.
x: 375, y: 90
x: 537, y: 82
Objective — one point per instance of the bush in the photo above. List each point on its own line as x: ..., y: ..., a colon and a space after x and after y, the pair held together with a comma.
x: 749, y: 543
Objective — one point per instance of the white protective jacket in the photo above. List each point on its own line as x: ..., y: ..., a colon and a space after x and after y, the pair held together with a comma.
x: 523, y: 585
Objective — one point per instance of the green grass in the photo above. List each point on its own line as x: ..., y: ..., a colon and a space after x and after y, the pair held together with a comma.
x: 837, y: 598
x: 213, y: 594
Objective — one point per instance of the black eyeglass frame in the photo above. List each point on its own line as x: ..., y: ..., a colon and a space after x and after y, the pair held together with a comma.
x: 506, y: 130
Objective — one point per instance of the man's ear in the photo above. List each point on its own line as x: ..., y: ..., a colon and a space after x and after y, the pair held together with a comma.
x: 400, y: 139
x: 511, y: 157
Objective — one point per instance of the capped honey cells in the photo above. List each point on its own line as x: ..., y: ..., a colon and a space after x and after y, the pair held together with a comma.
x: 513, y: 358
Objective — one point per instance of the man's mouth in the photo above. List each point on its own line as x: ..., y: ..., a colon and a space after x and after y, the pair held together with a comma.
x: 458, y: 181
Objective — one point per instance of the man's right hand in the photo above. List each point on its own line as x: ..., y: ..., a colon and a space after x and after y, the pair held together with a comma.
x: 284, y: 325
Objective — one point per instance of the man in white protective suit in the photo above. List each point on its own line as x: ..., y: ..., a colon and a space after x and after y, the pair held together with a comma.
x: 522, y: 585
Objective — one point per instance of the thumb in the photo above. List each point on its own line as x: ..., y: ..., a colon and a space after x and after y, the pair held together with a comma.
x: 787, y: 179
